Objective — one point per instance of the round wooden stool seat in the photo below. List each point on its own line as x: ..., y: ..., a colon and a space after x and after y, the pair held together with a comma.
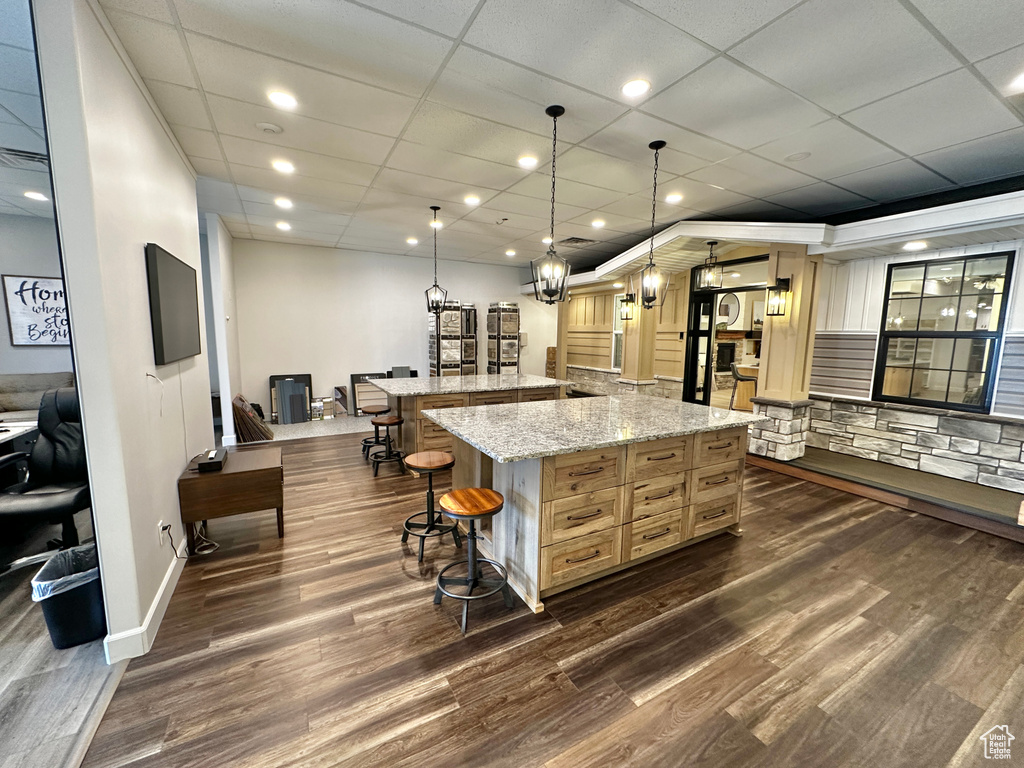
x: 430, y: 461
x: 375, y: 410
x: 472, y: 502
x: 387, y: 421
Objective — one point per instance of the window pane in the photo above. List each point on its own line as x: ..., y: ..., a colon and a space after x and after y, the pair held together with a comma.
x: 943, y: 279
x: 617, y: 350
x: 938, y: 314
x: 897, y: 381
x: 929, y: 384
x: 705, y: 316
x: 985, y: 275
x: 971, y: 355
x: 934, y: 353
x: 902, y: 315
x: 901, y: 351
x: 906, y: 281
x: 979, y: 313
x: 967, y: 388
x: 617, y: 315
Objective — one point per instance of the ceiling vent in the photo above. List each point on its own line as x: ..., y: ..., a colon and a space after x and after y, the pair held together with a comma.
x: 576, y: 242
x: 22, y: 160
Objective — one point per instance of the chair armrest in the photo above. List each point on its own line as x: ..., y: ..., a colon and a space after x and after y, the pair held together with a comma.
x: 12, y: 458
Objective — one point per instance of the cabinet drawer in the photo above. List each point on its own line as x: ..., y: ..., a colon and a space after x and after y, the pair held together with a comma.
x: 533, y: 395
x: 574, y: 473
x: 580, y: 557
x: 716, y: 481
x: 432, y: 437
x: 492, y: 398
x: 723, y: 445
x: 712, y: 515
x: 427, y: 402
x: 653, y: 534
x: 652, y: 497
x: 580, y: 515
x: 659, y: 457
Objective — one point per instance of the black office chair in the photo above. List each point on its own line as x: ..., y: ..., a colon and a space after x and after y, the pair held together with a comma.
x: 737, y: 377
x: 57, y: 485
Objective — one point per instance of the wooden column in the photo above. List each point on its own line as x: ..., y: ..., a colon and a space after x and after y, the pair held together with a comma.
x: 638, y: 337
x: 561, y: 338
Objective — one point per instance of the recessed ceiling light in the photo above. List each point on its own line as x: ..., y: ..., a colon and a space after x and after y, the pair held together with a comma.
x: 283, y: 202
x: 510, y: 252
x: 735, y: 274
x: 796, y: 157
x: 546, y: 241
x: 675, y: 197
x: 284, y: 226
x: 528, y: 161
x: 617, y: 285
x: 283, y: 166
x: 411, y: 240
x: 472, y: 200
x: 597, y: 223
x: 916, y: 245
x: 36, y: 196
x: 635, y: 88
x: 436, y: 224
x: 282, y: 100
x: 1018, y: 83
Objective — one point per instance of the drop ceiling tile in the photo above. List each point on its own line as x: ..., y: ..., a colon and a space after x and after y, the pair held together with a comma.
x: 299, y: 228
x: 295, y: 185
x: 300, y: 214
x: 445, y: 16
x: 759, y: 210
x: 15, y: 181
x: 240, y: 74
x: 988, y: 158
x: 238, y: 118
x: 614, y: 224
x: 19, y: 68
x: 568, y: 192
x: 517, y: 223
x: 214, y: 169
x: 180, y: 105
x: 260, y: 154
x: 197, y: 143
x: 155, y: 49
x: 274, y: 236
x: 696, y: 195
x: 17, y: 27
x: 479, y: 84
x: 152, y: 9
x: 342, y: 38
x: 19, y: 137
x: 513, y: 205
x: 849, y: 53
x: 717, y: 23
x: 751, y: 175
x: 7, y: 209
x: 835, y: 148
x: 639, y: 206
x: 629, y: 136
x: 978, y: 29
x: 601, y: 170
x: 320, y: 204
x: 23, y: 106
x: 921, y: 119
x: 495, y: 234
x: 221, y: 205
x: 893, y: 181
x: 573, y: 40
x: 1006, y: 72
x: 820, y: 199
x: 449, y: 193
x: 728, y: 103
x: 471, y: 171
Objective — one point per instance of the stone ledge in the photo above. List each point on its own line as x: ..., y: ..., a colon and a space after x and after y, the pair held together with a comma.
x: 782, y: 403
x: 1008, y: 420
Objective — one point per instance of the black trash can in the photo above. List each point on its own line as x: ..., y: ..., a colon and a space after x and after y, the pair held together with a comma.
x: 68, y: 588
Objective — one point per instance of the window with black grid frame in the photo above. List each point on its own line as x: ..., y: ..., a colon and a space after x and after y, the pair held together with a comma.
x: 942, y: 325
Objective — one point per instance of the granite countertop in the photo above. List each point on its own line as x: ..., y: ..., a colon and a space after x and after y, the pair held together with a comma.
x: 451, y: 385
x: 518, y: 431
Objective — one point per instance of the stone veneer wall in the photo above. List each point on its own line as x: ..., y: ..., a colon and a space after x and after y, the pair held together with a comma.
x: 785, y: 438
x: 602, y: 381
x: 979, y: 449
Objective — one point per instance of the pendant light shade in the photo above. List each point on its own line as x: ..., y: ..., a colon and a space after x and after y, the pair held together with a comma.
x: 711, y: 275
x: 653, y: 282
x: 551, y: 273
x: 436, y: 295
x: 626, y: 306
x: 778, y: 298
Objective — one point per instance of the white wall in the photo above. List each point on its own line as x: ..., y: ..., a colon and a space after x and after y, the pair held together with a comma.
x: 223, y: 320
x: 332, y: 313
x: 28, y: 246
x: 121, y: 181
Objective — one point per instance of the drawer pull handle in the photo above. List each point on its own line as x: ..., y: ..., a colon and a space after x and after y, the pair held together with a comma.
x: 721, y: 447
x: 723, y: 513
x: 724, y: 479
x: 661, y: 458
x: 658, y: 535
x: 583, y: 559
x: 587, y: 472
x: 660, y: 496
x: 595, y: 513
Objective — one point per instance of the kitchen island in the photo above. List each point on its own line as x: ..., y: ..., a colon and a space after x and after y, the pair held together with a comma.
x: 408, y: 398
x: 595, y: 485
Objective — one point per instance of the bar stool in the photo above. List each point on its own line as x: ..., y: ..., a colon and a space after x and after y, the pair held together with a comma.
x: 737, y: 377
x: 429, y: 462
x: 369, y: 442
x: 389, y: 453
x: 472, y: 504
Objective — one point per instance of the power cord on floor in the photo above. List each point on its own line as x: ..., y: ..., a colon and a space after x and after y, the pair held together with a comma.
x: 203, y: 545
x: 167, y: 529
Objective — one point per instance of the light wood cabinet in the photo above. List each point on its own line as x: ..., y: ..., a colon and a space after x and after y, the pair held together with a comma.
x: 653, y: 534
x: 574, y: 473
x: 535, y: 395
x: 583, y: 556
x: 578, y: 515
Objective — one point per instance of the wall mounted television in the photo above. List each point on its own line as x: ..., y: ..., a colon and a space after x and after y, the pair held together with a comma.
x: 173, y: 306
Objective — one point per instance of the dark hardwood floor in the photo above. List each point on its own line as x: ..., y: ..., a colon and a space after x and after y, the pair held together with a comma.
x: 837, y: 632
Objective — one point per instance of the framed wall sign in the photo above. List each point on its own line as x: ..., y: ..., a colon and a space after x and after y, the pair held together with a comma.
x: 37, y: 314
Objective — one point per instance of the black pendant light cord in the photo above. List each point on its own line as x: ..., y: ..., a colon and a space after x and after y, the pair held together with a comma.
x: 654, y: 205
x: 435, y: 209
x: 554, y: 147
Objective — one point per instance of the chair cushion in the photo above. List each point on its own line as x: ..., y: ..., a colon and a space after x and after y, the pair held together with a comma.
x: 54, y: 500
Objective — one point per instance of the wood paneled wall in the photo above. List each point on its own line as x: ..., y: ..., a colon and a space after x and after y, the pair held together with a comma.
x: 589, y: 333
x: 669, y: 342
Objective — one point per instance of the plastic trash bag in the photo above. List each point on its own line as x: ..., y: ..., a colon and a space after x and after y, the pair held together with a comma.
x: 66, y: 570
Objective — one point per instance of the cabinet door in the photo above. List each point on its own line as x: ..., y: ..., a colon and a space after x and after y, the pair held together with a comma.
x: 574, y: 473
x: 580, y: 557
x: 713, y: 515
x: 647, y: 498
x: 655, y: 458
x: 717, y: 447
x: 576, y: 516
x: 715, y: 481
x: 429, y: 402
x: 653, y: 534
x: 492, y: 398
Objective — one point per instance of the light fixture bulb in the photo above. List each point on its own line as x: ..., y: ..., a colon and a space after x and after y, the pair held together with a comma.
x: 675, y: 197
x: 283, y: 166
x: 597, y: 223
x: 635, y: 88
x: 411, y: 240
x: 282, y: 100
x: 617, y: 285
x: 283, y: 202
x: 546, y: 240
x: 36, y: 196
x: 527, y: 161
x: 510, y: 252
x: 916, y: 245
x: 436, y: 224
x: 1018, y: 84
x: 284, y: 226
x: 472, y: 200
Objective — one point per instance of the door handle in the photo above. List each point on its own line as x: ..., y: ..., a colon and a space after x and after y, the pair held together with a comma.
x: 587, y: 472
x: 584, y: 517
x: 723, y: 513
x: 661, y: 458
x: 658, y: 535
x: 584, y: 559
x: 660, y: 496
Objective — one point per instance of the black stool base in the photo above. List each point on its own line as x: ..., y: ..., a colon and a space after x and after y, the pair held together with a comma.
x: 431, y: 527
x: 369, y: 443
x: 472, y: 582
x: 385, y: 456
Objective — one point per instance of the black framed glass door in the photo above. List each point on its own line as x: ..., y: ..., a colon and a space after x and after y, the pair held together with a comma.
x: 699, y: 338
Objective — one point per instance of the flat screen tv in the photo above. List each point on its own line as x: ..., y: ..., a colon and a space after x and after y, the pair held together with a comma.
x: 173, y: 306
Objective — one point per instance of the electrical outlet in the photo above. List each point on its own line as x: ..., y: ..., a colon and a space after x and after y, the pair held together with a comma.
x: 161, y: 536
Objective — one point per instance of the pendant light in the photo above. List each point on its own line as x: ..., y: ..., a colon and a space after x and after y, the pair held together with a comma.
x: 436, y: 295
x: 653, y: 283
x: 711, y: 275
x: 551, y: 273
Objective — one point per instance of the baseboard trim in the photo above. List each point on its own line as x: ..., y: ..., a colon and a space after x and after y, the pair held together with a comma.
x: 138, y: 641
x: 92, y: 721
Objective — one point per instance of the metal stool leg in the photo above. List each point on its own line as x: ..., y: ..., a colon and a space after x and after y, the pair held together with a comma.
x: 732, y: 397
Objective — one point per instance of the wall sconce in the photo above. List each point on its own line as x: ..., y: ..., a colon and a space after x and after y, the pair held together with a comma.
x: 778, y: 297
x: 626, y: 306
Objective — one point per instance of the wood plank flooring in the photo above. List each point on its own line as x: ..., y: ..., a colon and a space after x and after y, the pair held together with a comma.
x: 837, y: 632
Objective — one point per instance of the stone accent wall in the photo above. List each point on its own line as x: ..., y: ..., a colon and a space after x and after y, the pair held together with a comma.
x: 784, y: 439
x: 601, y: 381
x: 978, y: 449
